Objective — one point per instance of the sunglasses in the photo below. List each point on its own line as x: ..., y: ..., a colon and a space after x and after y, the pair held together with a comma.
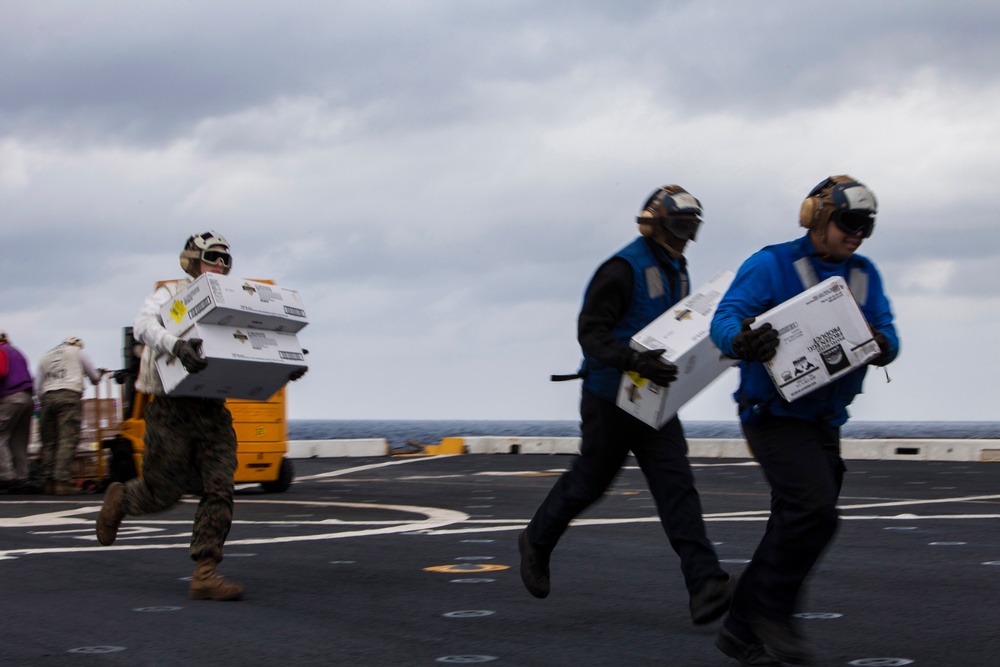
x: 855, y: 222
x: 217, y: 257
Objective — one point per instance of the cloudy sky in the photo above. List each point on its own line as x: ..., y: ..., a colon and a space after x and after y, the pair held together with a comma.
x: 439, y: 179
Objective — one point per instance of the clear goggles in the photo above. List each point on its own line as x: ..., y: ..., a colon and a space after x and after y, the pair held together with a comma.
x: 217, y: 258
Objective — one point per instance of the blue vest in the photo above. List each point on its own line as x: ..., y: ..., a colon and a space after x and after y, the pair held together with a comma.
x: 800, y: 269
x: 653, y: 292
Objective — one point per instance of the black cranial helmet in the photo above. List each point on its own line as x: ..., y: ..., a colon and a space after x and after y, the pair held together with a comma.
x: 676, y: 209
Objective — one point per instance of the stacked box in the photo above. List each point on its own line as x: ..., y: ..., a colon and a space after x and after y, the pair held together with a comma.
x: 242, y: 363
x: 823, y: 336
x: 683, y: 332
x: 213, y: 298
x: 248, y: 333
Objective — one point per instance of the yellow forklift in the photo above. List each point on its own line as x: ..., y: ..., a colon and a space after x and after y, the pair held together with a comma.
x: 261, y: 432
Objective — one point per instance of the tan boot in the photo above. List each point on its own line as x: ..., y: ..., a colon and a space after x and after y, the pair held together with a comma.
x: 207, y: 585
x: 111, y: 514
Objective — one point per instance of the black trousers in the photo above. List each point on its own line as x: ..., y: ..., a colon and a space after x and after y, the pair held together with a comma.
x: 801, y: 461
x: 608, y: 433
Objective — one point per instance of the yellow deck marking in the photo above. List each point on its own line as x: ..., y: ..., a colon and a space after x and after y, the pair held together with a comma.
x: 466, y: 568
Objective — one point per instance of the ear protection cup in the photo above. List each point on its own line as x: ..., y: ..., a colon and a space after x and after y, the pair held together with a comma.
x: 645, y: 221
x: 188, y: 258
x: 810, y: 212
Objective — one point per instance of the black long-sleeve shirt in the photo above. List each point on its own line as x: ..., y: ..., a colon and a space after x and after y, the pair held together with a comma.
x: 607, y: 300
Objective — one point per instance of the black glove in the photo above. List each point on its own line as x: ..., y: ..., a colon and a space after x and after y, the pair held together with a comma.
x: 187, y: 352
x: 883, y: 349
x: 297, y: 374
x: 649, y: 365
x: 755, y: 344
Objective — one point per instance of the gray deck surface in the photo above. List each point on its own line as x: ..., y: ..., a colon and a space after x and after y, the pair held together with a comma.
x: 336, y: 571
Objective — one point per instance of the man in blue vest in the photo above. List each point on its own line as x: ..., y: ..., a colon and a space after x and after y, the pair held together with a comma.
x: 797, y: 444
x: 627, y: 292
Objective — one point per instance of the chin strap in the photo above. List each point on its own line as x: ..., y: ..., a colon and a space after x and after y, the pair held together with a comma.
x: 673, y: 252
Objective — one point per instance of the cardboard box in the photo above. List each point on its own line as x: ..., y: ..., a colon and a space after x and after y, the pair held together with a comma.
x: 683, y: 331
x: 242, y: 363
x: 224, y: 300
x: 823, y: 336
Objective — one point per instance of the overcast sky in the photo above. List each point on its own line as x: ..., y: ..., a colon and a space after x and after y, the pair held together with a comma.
x: 440, y: 179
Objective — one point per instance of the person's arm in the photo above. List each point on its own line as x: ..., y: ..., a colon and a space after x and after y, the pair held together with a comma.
x: 148, y: 329
x: 605, y: 303
x: 40, y: 382
x: 881, y: 321
x: 88, y: 368
x: 749, y: 295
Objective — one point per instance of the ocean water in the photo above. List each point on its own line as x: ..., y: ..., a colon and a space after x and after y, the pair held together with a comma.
x: 430, y: 432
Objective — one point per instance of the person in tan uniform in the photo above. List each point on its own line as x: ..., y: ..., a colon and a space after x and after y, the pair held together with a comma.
x: 60, y: 385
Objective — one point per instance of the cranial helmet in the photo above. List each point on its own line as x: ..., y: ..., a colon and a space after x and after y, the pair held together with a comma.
x: 197, y: 246
x: 73, y: 340
x: 675, y: 209
x: 845, y: 201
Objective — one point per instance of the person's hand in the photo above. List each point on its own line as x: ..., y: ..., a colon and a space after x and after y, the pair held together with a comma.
x: 883, y: 349
x: 296, y: 374
x: 187, y: 352
x: 649, y: 365
x: 755, y: 344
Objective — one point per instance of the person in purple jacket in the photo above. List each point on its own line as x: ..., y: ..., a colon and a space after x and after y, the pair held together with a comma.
x: 16, y: 406
x: 797, y: 444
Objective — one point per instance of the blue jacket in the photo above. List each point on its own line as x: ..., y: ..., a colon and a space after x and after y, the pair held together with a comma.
x: 653, y: 292
x: 769, y: 277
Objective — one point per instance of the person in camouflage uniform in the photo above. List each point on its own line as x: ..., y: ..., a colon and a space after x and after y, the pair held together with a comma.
x: 60, y: 384
x: 183, y: 435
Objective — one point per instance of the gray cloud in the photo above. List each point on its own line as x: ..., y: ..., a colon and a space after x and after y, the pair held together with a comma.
x: 148, y: 73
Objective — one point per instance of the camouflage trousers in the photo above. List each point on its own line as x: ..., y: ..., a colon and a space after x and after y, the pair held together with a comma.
x: 188, y: 438
x: 59, y: 431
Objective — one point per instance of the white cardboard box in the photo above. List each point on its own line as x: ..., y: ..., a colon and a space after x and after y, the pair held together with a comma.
x: 224, y: 300
x: 823, y: 335
x: 242, y: 363
x: 683, y: 331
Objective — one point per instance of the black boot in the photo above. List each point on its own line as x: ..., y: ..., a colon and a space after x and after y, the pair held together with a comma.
x: 534, y: 567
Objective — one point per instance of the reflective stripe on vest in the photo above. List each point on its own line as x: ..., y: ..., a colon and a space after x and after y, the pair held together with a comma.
x: 857, y: 280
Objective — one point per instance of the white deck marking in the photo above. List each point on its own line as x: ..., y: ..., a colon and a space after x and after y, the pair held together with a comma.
x: 138, y: 533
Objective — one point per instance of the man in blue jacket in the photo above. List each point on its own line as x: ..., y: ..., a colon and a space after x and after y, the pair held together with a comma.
x: 628, y: 291
x: 797, y: 444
